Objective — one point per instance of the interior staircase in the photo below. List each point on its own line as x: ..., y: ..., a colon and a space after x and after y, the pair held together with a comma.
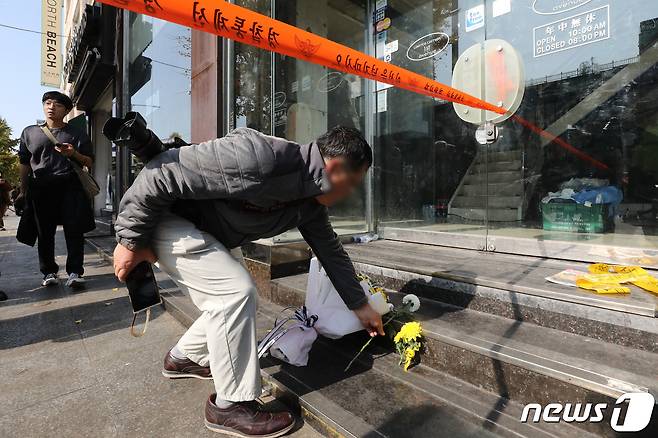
x: 503, y: 170
x: 497, y: 337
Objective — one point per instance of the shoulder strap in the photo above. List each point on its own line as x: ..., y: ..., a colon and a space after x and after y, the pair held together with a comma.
x: 146, y: 324
x: 52, y: 138
x: 48, y: 133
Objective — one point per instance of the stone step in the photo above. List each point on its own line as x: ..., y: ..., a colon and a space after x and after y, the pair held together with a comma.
x: 498, y: 156
x: 520, y: 361
x: 494, y: 177
x: 496, y: 166
x: 377, y: 398
x: 513, y: 287
x: 492, y: 214
x: 490, y: 201
x: 342, y: 404
x: 494, y: 189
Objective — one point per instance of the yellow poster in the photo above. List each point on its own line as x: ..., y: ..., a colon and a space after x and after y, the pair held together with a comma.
x: 51, y: 43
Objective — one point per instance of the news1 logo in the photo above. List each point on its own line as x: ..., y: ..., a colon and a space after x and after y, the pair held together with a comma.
x: 638, y: 412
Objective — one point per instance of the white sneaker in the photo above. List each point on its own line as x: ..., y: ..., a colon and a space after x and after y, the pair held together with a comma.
x: 74, y: 280
x: 50, y: 280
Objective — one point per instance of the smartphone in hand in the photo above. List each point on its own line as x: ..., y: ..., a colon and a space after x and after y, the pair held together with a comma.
x: 142, y: 288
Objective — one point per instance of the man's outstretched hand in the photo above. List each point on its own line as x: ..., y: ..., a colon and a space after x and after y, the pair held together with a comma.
x: 125, y: 260
x: 370, y: 319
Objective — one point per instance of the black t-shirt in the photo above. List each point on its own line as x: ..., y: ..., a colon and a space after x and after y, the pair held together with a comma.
x: 37, y: 151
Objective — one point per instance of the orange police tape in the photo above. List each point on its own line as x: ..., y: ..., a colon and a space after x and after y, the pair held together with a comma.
x: 234, y: 22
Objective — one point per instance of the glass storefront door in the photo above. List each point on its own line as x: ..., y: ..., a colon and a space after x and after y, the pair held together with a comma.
x: 299, y: 100
x: 309, y: 99
x: 589, y: 188
x: 573, y: 176
x: 430, y: 173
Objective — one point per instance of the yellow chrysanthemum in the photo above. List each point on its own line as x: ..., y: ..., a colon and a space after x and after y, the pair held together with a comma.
x: 411, y: 331
x: 409, y: 355
x: 360, y: 276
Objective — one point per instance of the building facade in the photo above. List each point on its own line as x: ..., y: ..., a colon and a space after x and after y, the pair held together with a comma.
x: 587, y: 191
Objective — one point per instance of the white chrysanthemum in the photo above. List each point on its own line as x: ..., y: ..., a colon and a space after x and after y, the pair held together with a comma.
x: 390, y: 307
x: 378, y: 302
x: 412, y: 302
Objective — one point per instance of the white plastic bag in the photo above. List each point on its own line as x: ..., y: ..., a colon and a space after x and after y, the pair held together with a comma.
x: 335, y: 320
x: 294, y: 346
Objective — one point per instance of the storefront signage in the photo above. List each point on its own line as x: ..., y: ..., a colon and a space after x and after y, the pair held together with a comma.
x: 330, y: 81
x: 231, y: 21
x: 391, y: 47
x: 382, y: 101
x: 575, y: 31
x: 51, y: 43
x: 552, y: 7
x: 74, y: 46
x: 383, y: 24
x: 279, y: 99
x: 428, y: 46
x: 380, y: 44
x: 379, y: 14
x: 280, y: 117
x: 501, y: 7
x: 306, y: 83
x: 474, y: 18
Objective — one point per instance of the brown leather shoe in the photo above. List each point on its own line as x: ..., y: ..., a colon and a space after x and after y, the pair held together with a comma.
x: 246, y: 419
x: 175, y: 368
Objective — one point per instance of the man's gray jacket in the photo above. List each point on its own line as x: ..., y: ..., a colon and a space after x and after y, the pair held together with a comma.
x: 240, y: 188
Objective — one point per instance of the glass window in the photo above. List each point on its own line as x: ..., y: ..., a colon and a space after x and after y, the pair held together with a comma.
x: 430, y: 171
x: 591, y: 81
x: 160, y: 75
x: 304, y: 100
x: 310, y: 99
x: 252, y: 80
x: 579, y: 164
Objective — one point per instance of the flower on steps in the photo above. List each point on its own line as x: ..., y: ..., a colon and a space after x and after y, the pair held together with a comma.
x: 412, y: 302
x: 408, y: 342
x: 409, y: 355
x: 408, y: 339
x: 411, y: 331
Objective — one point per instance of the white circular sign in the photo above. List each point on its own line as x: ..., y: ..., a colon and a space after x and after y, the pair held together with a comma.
x: 503, y: 83
x: 428, y: 46
x: 279, y: 99
x: 330, y: 81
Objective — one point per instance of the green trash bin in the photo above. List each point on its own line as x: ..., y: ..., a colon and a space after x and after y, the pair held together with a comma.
x: 577, y: 218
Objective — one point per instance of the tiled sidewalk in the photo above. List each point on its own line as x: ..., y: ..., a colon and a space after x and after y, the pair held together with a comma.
x: 69, y: 367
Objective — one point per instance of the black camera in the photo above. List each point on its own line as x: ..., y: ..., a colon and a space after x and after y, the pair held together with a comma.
x: 131, y: 132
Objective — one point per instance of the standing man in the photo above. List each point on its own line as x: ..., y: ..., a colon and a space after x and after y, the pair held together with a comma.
x: 51, y: 186
x: 193, y: 207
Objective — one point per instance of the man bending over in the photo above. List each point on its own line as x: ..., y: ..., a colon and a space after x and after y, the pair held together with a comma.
x: 192, y: 208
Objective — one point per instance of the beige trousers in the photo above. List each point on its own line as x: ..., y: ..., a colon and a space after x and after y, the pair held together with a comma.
x: 224, y: 336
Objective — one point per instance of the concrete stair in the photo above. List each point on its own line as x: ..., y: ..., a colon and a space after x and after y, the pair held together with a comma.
x: 493, y: 321
x: 492, y: 188
x: 376, y: 398
x: 492, y: 346
x: 501, y: 364
x: 498, y: 336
